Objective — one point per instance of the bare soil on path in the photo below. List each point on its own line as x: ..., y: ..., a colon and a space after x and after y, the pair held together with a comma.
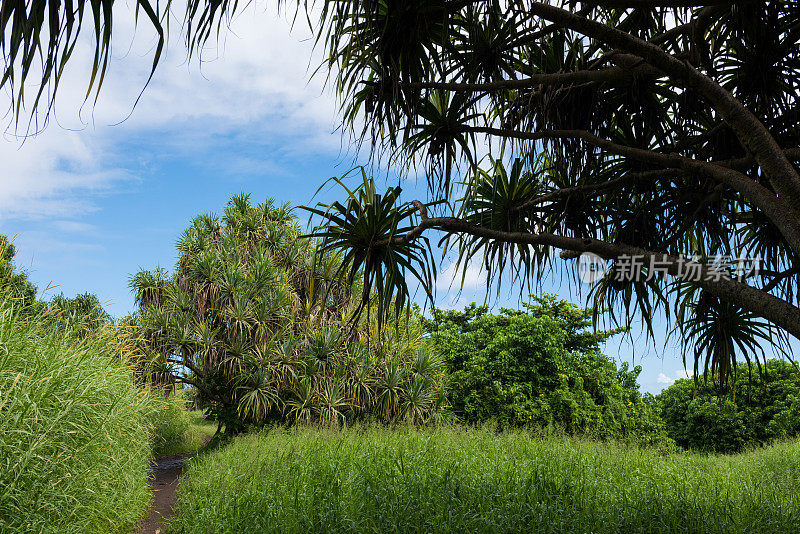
x: 164, y: 481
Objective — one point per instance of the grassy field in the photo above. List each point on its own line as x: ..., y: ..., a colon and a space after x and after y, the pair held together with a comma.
x: 455, y: 480
x: 74, y: 445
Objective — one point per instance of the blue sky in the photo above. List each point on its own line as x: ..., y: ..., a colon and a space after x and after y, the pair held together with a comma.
x: 91, y: 201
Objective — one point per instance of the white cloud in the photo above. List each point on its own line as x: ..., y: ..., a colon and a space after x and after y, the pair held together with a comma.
x: 450, y: 278
x: 664, y: 379
x: 679, y: 373
x: 74, y: 227
x: 451, y: 295
x: 49, y: 175
x: 254, y: 87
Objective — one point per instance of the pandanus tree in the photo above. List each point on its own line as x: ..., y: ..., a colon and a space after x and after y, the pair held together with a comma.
x: 662, y: 137
x: 258, y: 322
x: 658, y: 130
x: 81, y: 314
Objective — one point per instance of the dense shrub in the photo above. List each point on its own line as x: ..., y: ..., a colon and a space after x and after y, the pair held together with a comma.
x: 175, y: 429
x: 758, y: 408
x: 466, y: 480
x: 541, y: 367
x: 14, y: 284
x: 74, y: 445
x: 82, y: 313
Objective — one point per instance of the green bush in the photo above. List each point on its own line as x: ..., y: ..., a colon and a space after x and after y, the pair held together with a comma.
x: 175, y: 429
x: 467, y: 480
x: 540, y: 367
x: 759, y: 407
x: 14, y: 284
x: 81, y: 314
x: 74, y: 450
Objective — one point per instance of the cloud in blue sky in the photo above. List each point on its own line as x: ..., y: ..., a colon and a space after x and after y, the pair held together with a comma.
x: 669, y: 380
x: 253, y: 84
x: 664, y: 379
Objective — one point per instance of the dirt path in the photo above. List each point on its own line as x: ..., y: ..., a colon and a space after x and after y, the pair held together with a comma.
x: 164, y: 481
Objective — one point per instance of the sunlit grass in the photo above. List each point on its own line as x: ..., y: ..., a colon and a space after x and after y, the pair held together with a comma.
x: 466, y: 480
x: 176, y: 429
x: 74, y: 446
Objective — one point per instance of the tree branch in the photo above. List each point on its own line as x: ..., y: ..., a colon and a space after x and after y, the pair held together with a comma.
x: 653, y: 4
x: 609, y: 75
x: 599, y: 187
x: 762, y: 303
x: 762, y: 197
x: 750, y: 131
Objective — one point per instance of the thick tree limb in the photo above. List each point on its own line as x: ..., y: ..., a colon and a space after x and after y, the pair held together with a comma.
x: 759, y: 195
x: 764, y: 304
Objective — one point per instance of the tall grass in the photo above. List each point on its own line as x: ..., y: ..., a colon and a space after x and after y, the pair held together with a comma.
x: 465, y: 480
x: 175, y: 429
x: 74, y: 445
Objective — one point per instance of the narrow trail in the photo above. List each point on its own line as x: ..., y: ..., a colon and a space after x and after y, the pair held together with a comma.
x: 164, y: 481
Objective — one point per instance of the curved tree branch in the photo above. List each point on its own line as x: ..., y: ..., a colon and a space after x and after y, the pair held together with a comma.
x: 762, y: 197
x: 750, y: 131
x: 757, y: 301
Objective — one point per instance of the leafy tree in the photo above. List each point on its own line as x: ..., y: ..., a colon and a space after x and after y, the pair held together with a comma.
x: 703, y: 415
x: 628, y: 129
x: 14, y: 284
x: 255, y: 319
x: 82, y: 313
x: 646, y: 128
x: 78, y: 314
x: 540, y: 367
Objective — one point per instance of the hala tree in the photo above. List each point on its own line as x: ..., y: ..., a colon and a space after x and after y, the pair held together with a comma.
x: 255, y: 320
x: 652, y: 131
x: 79, y: 314
x: 14, y: 284
x: 82, y: 313
x: 624, y: 128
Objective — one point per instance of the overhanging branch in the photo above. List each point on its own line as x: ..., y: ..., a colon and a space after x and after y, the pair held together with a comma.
x: 757, y: 301
x: 759, y: 195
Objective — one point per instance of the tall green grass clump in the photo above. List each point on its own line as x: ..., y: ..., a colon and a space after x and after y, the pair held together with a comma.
x: 175, y: 429
x: 467, y: 480
x: 74, y: 444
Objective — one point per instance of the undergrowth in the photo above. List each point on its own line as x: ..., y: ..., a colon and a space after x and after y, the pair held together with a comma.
x: 176, y: 429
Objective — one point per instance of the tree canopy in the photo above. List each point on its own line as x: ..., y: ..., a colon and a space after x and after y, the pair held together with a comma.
x: 702, y: 415
x: 660, y: 136
x: 14, y: 284
x: 661, y: 130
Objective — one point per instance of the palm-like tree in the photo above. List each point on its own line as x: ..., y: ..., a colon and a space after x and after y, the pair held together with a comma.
x: 260, y: 324
x: 390, y: 389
